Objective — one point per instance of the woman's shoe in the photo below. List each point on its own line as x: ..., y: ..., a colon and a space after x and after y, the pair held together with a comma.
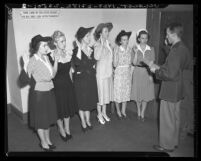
x: 100, y: 119
x: 119, y: 116
x: 84, y: 129
x: 139, y: 117
x: 69, y: 136
x: 142, y: 119
x: 45, y: 149
x: 52, y: 146
x: 90, y: 127
x: 106, y: 118
x: 124, y: 116
x: 63, y: 138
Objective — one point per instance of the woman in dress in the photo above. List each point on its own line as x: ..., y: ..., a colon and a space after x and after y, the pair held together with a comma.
x: 122, y: 73
x: 63, y: 85
x: 85, y: 76
x: 142, y: 90
x: 43, y: 112
x: 104, y: 56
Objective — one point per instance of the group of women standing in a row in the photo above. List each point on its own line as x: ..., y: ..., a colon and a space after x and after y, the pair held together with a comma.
x: 88, y: 78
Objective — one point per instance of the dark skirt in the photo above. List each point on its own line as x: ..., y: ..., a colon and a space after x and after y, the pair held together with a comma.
x: 65, y: 99
x: 43, y: 112
x: 86, y: 92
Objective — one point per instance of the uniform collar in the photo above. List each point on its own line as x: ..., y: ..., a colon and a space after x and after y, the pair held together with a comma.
x: 146, y: 48
x: 176, y: 44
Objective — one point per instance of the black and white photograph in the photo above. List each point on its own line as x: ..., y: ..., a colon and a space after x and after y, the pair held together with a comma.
x: 101, y: 78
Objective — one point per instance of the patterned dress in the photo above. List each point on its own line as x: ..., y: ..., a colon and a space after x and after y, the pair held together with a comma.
x: 122, y: 75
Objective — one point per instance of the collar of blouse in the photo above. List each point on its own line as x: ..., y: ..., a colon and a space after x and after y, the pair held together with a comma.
x: 146, y: 48
x: 63, y: 58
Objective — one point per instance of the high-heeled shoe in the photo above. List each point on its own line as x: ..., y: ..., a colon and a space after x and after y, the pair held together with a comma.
x: 84, y: 129
x: 45, y: 149
x: 101, y: 120
x: 52, y: 146
x: 90, y: 127
x: 63, y: 138
x: 142, y: 119
x: 124, y: 116
x: 106, y: 118
x: 69, y: 136
x: 119, y: 116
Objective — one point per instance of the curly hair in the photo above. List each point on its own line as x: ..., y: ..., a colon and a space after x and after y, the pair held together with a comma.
x: 55, y: 36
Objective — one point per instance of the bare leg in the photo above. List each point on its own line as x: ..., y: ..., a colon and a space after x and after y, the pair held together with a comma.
x: 100, y: 116
x: 104, y: 113
x: 87, y: 114
x: 124, y: 108
x: 118, y: 109
x: 138, y: 109
x: 67, y: 125
x: 61, y: 127
x: 144, y: 105
x: 81, y: 113
x: 47, y: 136
x: 41, y: 135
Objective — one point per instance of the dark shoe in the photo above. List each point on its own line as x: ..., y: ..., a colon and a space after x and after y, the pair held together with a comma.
x: 176, y: 146
x: 119, y: 117
x: 124, y: 116
x: 161, y: 149
x: 142, y: 119
x: 90, y: 127
x: 139, y: 117
x: 63, y: 138
x: 84, y: 129
x: 69, y: 136
x: 52, y: 146
x: 45, y: 149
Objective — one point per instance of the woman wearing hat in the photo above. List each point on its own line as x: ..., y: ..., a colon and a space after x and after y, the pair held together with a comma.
x: 84, y: 76
x: 63, y: 85
x: 44, y: 112
x: 142, y: 90
x: 104, y: 70
x: 122, y: 74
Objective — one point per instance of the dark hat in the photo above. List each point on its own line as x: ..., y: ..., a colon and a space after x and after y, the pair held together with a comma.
x: 38, y: 38
x: 82, y: 31
x: 122, y: 33
x: 99, y: 28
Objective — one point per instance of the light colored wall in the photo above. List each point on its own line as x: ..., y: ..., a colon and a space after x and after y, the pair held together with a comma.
x: 69, y: 21
x: 8, y: 91
x: 12, y: 68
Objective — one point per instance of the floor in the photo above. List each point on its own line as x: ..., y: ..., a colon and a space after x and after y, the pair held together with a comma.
x: 129, y: 135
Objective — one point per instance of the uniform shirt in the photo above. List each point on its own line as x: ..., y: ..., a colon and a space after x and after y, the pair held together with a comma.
x: 171, y: 73
x: 42, y: 72
x: 104, y: 56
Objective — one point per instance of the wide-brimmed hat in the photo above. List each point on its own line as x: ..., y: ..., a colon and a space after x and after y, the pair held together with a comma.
x: 99, y: 28
x: 122, y: 33
x: 38, y: 38
x: 81, y: 32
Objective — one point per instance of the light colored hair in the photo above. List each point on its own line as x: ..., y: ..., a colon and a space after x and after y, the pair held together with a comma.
x: 56, y: 35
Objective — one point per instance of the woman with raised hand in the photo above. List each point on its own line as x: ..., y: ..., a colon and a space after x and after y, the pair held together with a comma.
x: 122, y: 73
x: 43, y: 112
x: 84, y: 76
x: 104, y: 70
x: 63, y: 85
x: 142, y: 90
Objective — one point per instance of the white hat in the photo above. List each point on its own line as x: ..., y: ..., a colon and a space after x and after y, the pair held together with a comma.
x: 140, y: 31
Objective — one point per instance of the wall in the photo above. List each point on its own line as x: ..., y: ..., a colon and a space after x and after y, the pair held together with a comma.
x: 8, y: 91
x: 12, y: 68
x: 68, y: 21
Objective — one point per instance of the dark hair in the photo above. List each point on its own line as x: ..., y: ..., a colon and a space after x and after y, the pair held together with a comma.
x: 140, y: 33
x: 118, y: 41
x: 35, y: 49
x: 177, y: 28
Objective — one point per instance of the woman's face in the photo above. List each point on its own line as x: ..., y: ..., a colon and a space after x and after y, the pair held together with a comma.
x: 87, y: 38
x: 124, y: 40
x: 43, y: 49
x: 105, y: 33
x: 61, y: 43
x: 143, y: 38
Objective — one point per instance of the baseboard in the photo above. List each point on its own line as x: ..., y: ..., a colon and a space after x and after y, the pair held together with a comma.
x: 22, y: 116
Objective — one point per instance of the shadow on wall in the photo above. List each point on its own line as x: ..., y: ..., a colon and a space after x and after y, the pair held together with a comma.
x: 22, y: 81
